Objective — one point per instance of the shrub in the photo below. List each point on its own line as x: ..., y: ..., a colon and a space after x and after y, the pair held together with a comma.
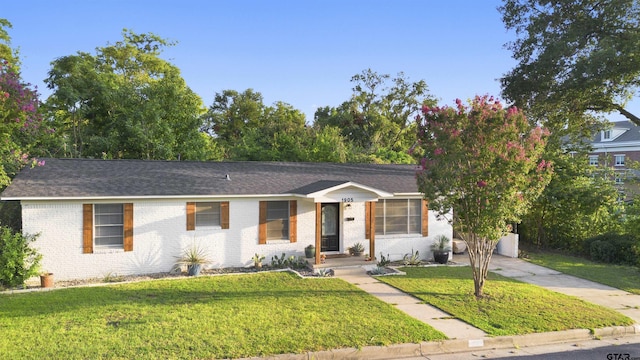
x: 614, y: 248
x: 18, y: 261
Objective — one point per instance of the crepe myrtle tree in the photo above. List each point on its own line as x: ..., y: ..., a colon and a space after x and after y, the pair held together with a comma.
x: 484, y: 162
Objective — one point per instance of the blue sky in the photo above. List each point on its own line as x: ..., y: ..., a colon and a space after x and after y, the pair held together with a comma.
x: 301, y: 52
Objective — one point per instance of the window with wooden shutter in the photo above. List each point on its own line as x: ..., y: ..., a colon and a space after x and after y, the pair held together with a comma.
x: 207, y: 214
x: 277, y: 221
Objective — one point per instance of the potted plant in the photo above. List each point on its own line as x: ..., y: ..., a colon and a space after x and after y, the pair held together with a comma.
x: 356, y: 249
x: 46, y: 279
x: 441, y: 248
x: 194, y: 258
x: 257, y: 261
x: 310, y: 251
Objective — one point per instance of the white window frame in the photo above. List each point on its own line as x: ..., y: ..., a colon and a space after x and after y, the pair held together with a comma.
x: 606, y: 135
x: 271, y: 219
x: 201, y: 221
x: 593, y: 160
x: 616, y: 161
x: 383, y: 217
x: 96, y: 226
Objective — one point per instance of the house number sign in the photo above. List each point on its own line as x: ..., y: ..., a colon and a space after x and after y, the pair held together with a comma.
x: 347, y: 199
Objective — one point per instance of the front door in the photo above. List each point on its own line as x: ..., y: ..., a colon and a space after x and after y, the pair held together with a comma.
x: 330, y: 227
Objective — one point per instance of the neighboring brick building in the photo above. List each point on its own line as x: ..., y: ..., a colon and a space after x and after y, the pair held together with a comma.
x: 617, y: 148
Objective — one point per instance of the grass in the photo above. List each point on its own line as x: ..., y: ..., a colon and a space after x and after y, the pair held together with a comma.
x: 204, y: 317
x: 618, y: 276
x: 510, y: 307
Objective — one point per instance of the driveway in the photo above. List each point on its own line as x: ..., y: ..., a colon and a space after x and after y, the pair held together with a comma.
x: 619, y: 300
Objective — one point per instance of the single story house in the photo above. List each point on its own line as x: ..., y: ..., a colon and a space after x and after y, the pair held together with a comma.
x: 100, y: 217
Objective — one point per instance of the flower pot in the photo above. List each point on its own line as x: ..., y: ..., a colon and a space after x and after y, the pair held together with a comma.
x: 309, y: 252
x: 46, y: 280
x: 441, y: 257
x: 194, y: 270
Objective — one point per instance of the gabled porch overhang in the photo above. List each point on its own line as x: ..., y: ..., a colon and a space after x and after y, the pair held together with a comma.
x: 343, y: 192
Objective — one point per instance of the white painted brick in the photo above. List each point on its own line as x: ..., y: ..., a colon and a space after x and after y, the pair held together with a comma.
x: 160, y: 235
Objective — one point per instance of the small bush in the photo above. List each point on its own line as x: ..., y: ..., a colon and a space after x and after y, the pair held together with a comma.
x: 18, y: 261
x: 614, y: 248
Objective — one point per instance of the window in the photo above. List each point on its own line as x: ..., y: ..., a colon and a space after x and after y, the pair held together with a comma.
x: 606, y: 135
x: 207, y: 214
x: 277, y: 221
x: 398, y: 216
x: 109, y: 225
x: 593, y: 160
x: 619, y: 178
x: 619, y: 160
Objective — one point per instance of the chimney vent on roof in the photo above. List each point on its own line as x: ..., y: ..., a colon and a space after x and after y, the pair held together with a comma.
x: 227, y: 177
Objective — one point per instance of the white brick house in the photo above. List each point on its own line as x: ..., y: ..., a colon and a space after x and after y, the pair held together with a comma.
x: 99, y: 217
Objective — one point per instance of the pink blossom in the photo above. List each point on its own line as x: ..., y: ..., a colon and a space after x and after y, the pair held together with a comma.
x: 438, y: 151
x: 482, y: 183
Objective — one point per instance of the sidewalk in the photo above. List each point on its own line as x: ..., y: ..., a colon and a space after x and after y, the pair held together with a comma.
x: 464, y: 337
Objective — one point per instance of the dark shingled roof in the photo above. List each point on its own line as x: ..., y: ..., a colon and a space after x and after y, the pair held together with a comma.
x: 73, y: 178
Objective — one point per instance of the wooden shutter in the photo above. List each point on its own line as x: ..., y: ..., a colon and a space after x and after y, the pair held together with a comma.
x: 87, y: 228
x: 425, y: 218
x: 224, y: 214
x: 128, y: 227
x: 367, y: 219
x: 293, y: 221
x: 262, y: 227
x: 191, y: 216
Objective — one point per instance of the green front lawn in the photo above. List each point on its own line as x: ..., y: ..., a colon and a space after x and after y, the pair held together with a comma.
x: 618, y: 276
x: 510, y: 307
x: 204, y: 317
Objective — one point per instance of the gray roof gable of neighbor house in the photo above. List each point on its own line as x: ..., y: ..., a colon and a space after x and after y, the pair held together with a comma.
x: 87, y: 178
x: 632, y: 133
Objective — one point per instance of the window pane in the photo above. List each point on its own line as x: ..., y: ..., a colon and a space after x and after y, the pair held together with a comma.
x: 415, y: 216
x: 380, y: 217
x: 108, y: 225
x: 207, y: 214
x: 399, y: 216
x: 278, y: 220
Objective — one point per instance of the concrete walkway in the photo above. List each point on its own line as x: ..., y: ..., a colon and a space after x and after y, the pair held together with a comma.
x: 438, y: 319
x: 468, y: 342
x: 616, y: 299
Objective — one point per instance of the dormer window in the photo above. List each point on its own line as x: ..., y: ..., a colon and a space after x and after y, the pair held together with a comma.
x: 606, y: 135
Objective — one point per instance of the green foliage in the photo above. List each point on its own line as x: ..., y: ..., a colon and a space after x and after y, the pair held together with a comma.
x: 484, y: 162
x: 576, y: 188
x: 291, y: 262
x: 125, y: 102
x: 18, y: 260
x: 356, y: 249
x: 412, y: 259
x: 574, y: 58
x: 384, y: 261
x: 441, y: 243
x: 612, y: 248
x: 193, y: 255
x: 378, y: 119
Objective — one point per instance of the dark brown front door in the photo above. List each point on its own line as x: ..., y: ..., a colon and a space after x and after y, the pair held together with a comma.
x: 330, y: 227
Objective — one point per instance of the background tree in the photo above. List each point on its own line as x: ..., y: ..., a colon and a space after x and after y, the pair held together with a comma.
x: 575, y: 59
x: 485, y: 163
x: 126, y: 102
x: 378, y: 119
x: 586, y: 192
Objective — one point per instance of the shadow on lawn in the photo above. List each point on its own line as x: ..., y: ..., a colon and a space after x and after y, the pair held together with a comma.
x: 201, y: 290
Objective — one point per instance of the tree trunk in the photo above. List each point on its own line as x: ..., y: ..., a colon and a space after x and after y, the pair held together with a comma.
x: 480, y: 251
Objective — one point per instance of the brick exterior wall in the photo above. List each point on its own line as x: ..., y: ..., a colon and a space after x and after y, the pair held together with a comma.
x: 159, y: 233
